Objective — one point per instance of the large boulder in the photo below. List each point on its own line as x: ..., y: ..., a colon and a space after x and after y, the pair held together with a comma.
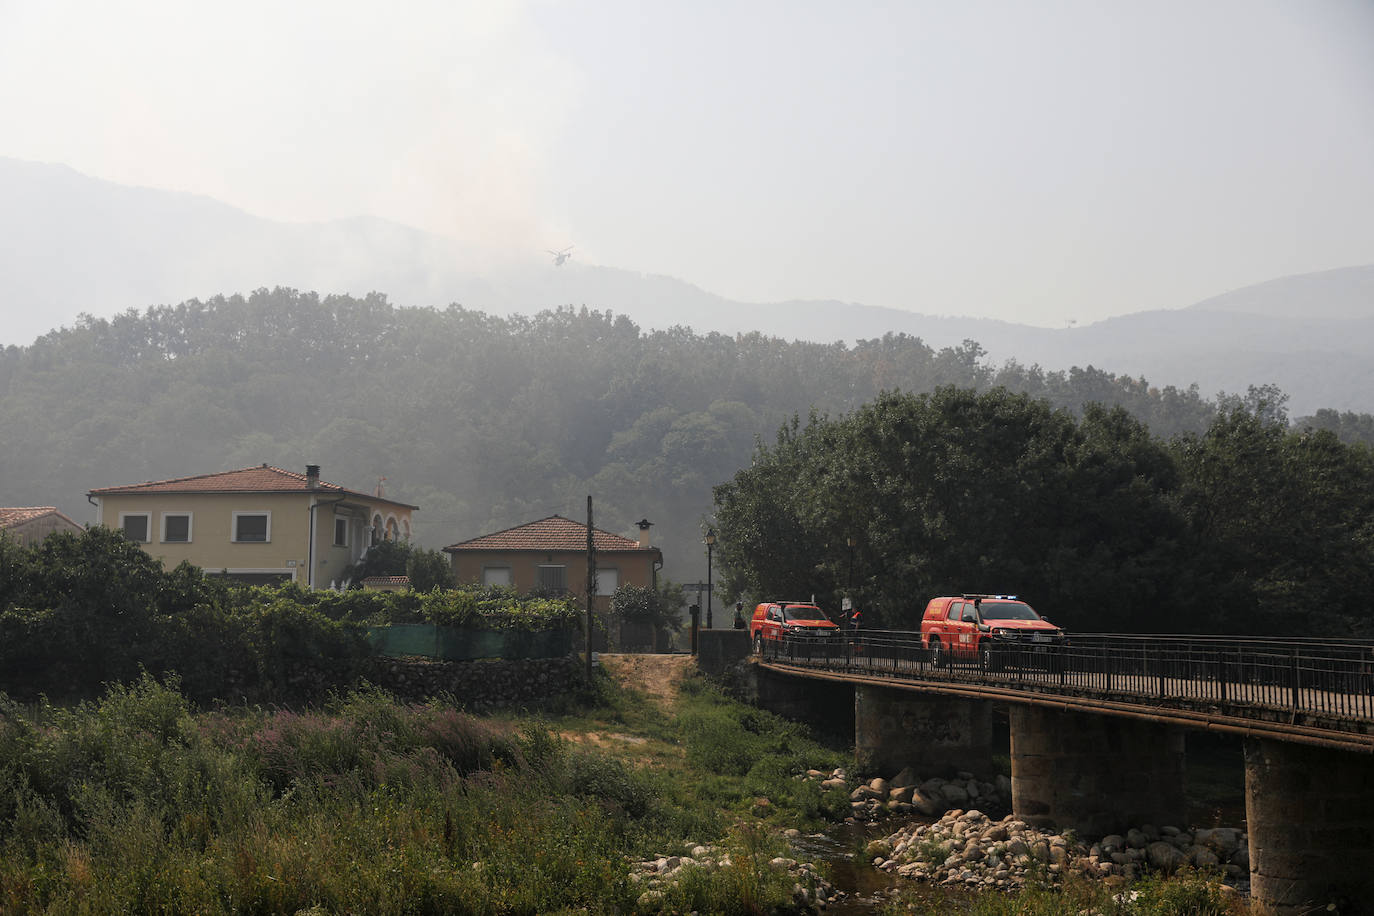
x: 905, y: 778
x: 1165, y: 856
x: 954, y: 793
x: 929, y: 805
x: 1202, y: 857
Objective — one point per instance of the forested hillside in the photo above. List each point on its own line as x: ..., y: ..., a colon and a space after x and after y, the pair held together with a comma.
x: 483, y: 422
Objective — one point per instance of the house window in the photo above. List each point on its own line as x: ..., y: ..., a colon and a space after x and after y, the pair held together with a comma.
x: 607, y: 581
x: 135, y: 526
x: 497, y: 576
x: 252, y: 527
x: 176, y: 527
x: 553, y: 579
x: 340, y: 532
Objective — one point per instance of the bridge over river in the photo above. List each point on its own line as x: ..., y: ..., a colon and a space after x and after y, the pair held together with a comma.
x: 1097, y: 733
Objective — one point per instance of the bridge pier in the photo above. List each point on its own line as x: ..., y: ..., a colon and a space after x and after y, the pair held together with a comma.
x: 938, y: 735
x: 1093, y: 773
x: 827, y: 707
x: 1309, y: 812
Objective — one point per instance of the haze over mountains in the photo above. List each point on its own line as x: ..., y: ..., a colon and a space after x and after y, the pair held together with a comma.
x: 72, y: 244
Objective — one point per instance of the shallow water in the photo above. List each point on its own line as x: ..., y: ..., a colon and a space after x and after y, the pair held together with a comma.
x: 841, y: 851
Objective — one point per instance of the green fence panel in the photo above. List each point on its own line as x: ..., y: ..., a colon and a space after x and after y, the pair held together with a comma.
x: 461, y: 644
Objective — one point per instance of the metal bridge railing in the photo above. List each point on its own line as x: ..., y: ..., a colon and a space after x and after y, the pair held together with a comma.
x: 1329, y: 679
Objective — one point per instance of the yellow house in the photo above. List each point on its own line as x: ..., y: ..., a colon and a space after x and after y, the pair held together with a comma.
x: 260, y: 524
x: 551, y: 555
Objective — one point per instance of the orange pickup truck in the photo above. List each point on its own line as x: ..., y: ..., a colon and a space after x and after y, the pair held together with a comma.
x: 986, y: 629
x: 780, y: 619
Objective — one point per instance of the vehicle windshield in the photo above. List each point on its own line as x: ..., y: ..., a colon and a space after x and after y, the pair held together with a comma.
x: 1007, y: 610
x: 805, y: 613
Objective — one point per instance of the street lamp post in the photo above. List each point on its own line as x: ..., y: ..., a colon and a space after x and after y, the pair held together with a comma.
x: 849, y: 586
x: 710, y: 542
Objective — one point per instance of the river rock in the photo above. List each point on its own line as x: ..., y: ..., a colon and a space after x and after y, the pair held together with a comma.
x: 1202, y: 857
x: 1136, y: 839
x: 1224, y: 840
x: 907, y: 777
x: 954, y: 793
x: 1164, y: 856
x: 926, y: 804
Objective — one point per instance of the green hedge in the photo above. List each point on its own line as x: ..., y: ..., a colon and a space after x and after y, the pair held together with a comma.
x: 83, y: 610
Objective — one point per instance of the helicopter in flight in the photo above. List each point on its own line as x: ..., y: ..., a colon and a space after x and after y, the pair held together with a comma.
x: 560, y: 256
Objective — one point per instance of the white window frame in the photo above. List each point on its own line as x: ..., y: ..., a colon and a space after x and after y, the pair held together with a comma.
x: 347, y: 530
x: 190, y: 526
x: 601, y: 580
x: 234, y: 526
x: 510, y: 575
x: 147, y: 525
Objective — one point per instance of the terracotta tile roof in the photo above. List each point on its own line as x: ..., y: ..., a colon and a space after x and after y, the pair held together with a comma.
x: 18, y: 515
x: 258, y: 479
x: 552, y: 533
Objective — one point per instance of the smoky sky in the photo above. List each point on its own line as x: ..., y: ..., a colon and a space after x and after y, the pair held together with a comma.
x: 1037, y: 162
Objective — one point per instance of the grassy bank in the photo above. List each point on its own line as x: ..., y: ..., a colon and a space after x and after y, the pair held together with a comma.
x: 140, y: 803
x: 1189, y: 894
x: 137, y: 803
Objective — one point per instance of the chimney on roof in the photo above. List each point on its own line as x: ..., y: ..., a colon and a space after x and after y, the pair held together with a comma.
x: 312, y: 476
x: 643, y: 525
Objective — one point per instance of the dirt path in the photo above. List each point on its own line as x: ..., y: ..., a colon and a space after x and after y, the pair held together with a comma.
x: 657, y: 676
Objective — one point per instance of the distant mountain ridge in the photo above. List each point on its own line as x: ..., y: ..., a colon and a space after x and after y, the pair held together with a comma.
x: 72, y: 244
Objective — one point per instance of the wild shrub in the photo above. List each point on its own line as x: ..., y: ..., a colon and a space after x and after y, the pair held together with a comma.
x: 747, y: 886
x: 1187, y: 893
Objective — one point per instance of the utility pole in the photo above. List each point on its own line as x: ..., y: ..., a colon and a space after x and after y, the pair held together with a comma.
x: 591, y: 584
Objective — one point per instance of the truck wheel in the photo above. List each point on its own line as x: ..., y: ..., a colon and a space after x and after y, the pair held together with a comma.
x: 938, y: 656
x: 987, y: 654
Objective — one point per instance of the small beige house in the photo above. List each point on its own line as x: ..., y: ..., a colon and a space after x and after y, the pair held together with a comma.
x: 551, y: 555
x: 29, y: 525
x: 259, y: 524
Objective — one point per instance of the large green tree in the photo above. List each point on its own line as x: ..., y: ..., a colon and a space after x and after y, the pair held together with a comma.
x: 1287, y: 521
x: 920, y: 495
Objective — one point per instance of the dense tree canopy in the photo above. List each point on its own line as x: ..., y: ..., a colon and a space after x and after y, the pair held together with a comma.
x: 1248, y: 527
x: 487, y: 422
x: 482, y: 421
